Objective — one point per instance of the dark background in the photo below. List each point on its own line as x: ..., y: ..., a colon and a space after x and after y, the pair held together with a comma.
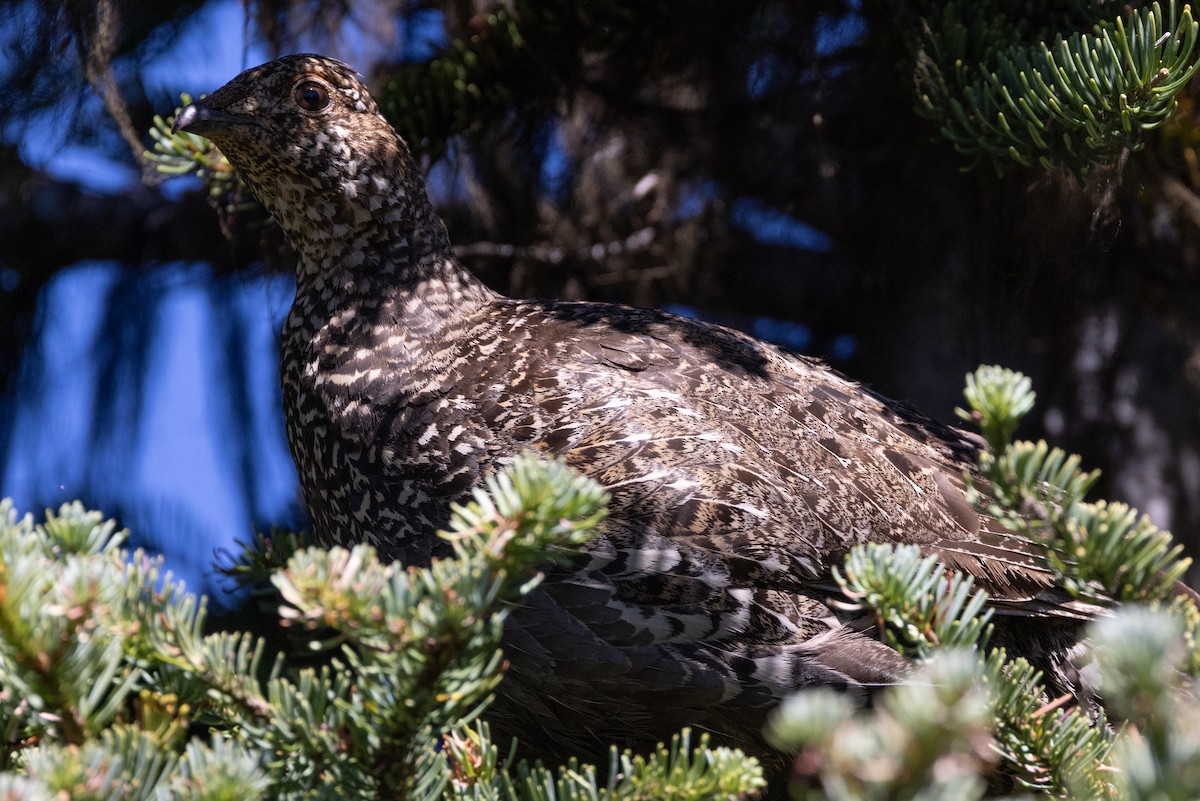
x: 756, y: 163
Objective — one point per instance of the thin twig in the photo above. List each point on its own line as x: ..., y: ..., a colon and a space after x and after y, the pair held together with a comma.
x: 552, y: 254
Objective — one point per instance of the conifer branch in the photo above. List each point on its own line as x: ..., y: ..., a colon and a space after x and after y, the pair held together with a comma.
x: 925, y: 611
x: 920, y: 605
x: 1145, y: 655
x: 139, y: 702
x: 1008, y: 92
x: 182, y: 153
x: 1099, y: 551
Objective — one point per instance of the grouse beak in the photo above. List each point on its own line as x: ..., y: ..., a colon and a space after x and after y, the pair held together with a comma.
x: 201, y: 119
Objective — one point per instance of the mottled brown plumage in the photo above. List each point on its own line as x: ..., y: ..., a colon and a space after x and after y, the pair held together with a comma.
x: 738, y: 474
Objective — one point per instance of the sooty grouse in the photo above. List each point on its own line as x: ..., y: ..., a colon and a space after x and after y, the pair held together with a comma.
x: 738, y: 474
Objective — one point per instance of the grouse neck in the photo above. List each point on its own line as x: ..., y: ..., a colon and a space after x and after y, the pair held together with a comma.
x: 360, y: 221
x: 393, y: 261
x: 372, y: 237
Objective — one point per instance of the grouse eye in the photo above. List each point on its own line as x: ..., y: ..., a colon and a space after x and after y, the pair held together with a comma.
x: 311, y: 96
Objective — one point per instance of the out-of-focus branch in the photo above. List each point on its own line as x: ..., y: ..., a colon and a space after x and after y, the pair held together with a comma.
x: 639, y: 240
x: 96, y: 28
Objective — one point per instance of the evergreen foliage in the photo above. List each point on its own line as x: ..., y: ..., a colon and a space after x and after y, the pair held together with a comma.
x: 183, y: 153
x: 968, y: 707
x: 1099, y: 550
x: 928, y: 613
x: 920, y: 605
x: 1006, y: 85
x: 112, y: 690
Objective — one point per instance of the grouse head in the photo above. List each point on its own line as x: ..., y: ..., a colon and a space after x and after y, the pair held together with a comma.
x: 305, y: 135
